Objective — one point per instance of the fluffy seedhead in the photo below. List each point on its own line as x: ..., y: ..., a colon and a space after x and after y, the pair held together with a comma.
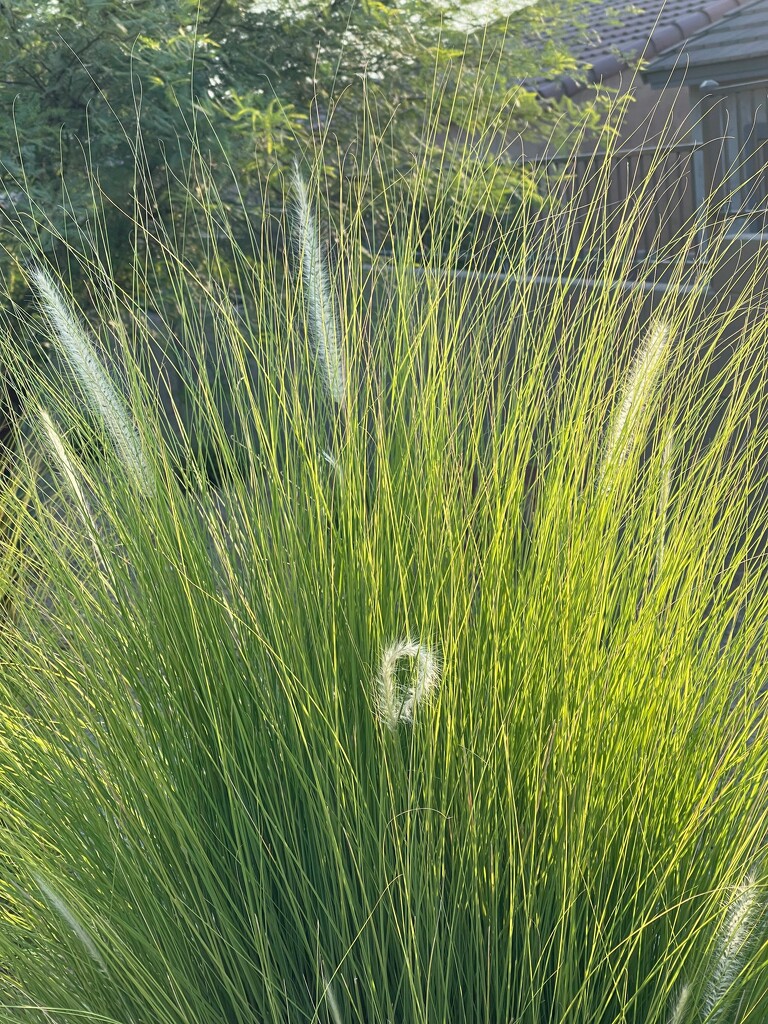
x: 57, y: 450
x: 56, y: 903
x: 394, y: 703
x: 681, y: 1005
x: 335, y: 465
x: 637, y: 393
x: 97, y: 387
x: 332, y: 1002
x: 321, y: 311
x: 735, y: 943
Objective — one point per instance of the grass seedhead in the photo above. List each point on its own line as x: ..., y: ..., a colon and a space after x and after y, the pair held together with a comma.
x: 736, y: 942
x: 636, y: 396
x: 322, y: 316
x: 98, y: 389
x: 396, y: 704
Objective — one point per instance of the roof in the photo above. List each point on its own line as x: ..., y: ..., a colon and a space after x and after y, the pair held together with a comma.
x: 733, y: 50
x: 615, y: 34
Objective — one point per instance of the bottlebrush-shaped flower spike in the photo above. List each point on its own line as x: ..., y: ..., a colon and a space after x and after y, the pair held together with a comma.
x: 321, y: 311
x: 735, y: 943
x: 97, y: 387
x: 636, y: 394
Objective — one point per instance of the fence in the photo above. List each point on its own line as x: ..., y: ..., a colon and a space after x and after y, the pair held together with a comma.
x: 593, y: 191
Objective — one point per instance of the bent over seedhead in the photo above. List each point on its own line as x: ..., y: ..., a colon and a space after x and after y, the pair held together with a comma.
x: 395, y: 704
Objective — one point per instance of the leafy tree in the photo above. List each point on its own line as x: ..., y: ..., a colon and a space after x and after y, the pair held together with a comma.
x: 100, y: 83
x: 76, y: 77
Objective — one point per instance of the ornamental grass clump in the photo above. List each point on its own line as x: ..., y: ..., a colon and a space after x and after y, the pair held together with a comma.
x: 238, y: 783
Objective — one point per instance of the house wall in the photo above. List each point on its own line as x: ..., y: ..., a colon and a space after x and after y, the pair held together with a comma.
x: 651, y: 116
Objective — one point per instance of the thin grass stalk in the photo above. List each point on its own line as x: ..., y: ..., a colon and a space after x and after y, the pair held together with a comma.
x: 664, y: 494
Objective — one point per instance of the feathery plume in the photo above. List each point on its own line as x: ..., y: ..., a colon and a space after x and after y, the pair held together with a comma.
x: 56, y: 903
x: 321, y: 312
x: 394, y: 704
x: 683, y: 999
x: 331, y: 459
x: 95, y: 383
x: 734, y: 944
x: 61, y: 457
x: 637, y: 393
x: 330, y: 997
x: 336, y: 467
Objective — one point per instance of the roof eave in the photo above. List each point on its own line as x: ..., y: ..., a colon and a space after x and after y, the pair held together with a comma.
x: 664, y: 37
x: 722, y: 72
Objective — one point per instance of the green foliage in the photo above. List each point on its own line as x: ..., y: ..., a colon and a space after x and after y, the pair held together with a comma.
x: 258, y: 83
x: 76, y: 76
